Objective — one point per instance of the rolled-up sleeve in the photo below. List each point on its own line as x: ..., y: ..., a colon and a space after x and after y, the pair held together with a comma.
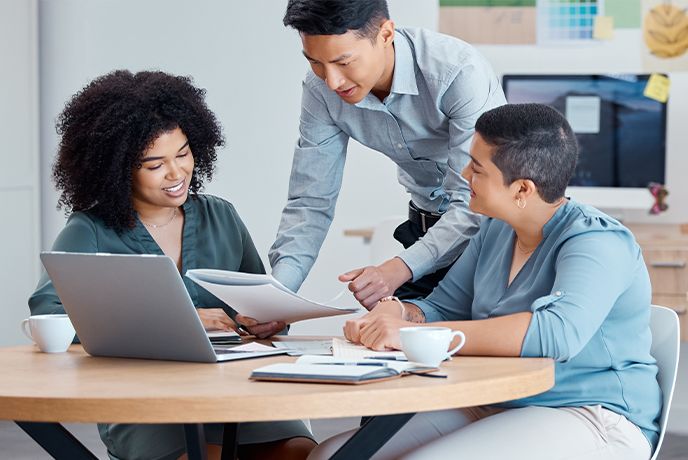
x: 592, y: 271
x: 314, y: 184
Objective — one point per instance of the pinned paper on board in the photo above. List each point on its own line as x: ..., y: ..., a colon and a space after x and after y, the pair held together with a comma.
x: 583, y: 114
x: 626, y: 13
x: 657, y: 87
x: 506, y: 22
x: 603, y: 28
x: 665, y: 35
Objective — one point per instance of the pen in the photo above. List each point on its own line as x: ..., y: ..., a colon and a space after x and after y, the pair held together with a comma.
x: 387, y: 358
x: 231, y: 313
x: 354, y: 364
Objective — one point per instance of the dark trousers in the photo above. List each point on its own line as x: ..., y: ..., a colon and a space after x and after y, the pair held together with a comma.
x: 407, y: 234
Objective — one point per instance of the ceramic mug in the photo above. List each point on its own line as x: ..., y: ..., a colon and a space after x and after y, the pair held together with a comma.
x: 428, y: 345
x: 52, y: 333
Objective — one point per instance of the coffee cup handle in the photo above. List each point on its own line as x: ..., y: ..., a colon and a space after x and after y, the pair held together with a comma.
x: 461, y: 344
x: 25, y: 329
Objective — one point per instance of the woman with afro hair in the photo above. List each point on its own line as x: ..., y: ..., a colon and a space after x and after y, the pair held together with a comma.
x: 135, y: 151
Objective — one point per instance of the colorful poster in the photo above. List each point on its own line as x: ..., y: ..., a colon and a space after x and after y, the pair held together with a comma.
x: 567, y: 20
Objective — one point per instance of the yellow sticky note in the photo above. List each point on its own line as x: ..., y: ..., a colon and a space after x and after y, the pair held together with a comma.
x: 657, y: 87
x: 603, y: 28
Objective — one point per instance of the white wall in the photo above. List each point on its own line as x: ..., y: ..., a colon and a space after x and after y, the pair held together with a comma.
x: 252, y: 67
x: 19, y: 186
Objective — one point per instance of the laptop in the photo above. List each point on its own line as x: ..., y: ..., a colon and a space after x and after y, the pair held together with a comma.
x: 133, y: 306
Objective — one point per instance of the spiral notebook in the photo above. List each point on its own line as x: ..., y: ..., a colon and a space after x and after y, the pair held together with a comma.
x: 328, y: 369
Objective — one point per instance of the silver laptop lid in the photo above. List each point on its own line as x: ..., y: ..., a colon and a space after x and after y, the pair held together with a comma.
x: 133, y: 306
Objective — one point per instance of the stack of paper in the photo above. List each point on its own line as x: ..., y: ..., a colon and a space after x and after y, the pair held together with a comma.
x: 223, y: 337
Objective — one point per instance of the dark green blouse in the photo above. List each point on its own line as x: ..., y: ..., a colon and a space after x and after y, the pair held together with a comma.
x: 213, y: 237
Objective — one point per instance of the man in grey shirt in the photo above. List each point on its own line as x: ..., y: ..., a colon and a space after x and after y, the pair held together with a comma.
x: 411, y: 94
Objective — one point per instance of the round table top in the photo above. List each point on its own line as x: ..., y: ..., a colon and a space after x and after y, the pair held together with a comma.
x: 76, y: 387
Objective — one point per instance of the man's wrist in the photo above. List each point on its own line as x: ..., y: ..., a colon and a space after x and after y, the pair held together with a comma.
x: 404, y: 272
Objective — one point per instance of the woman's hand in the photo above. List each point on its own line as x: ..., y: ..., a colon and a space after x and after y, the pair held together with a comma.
x: 382, y: 332
x: 216, y: 319
x: 260, y: 330
x: 352, y: 328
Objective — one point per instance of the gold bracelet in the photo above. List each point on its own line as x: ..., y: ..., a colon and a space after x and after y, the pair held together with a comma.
x: 395, y: 299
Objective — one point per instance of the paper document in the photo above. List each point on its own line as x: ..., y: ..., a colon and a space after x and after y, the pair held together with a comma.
x: 305, y: 347
x: 583, y: 114
x: 343, y: 349
x: 261, y: 296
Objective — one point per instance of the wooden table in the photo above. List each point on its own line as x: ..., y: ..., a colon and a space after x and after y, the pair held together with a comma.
x: 75, y: 387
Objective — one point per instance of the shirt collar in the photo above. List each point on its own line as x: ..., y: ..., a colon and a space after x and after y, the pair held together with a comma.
x: 556, y: 217
x: 404, y: 79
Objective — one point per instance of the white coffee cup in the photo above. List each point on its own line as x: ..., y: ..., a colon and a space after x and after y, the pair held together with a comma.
x: 428, y: 345
x: 52, y: 333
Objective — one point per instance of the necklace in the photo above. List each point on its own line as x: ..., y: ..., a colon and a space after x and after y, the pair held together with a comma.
x: 174, y: 214
x: 524, y: 251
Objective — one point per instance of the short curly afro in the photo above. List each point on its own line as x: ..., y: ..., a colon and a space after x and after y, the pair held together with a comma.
x: 105, y: 129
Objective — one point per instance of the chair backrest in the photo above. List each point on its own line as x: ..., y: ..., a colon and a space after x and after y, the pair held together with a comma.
x: 383, y: 246
x: 665, y: 349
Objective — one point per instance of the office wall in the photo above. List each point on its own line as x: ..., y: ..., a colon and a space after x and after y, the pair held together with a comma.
x: 252, y: 68
x: 19, y: 189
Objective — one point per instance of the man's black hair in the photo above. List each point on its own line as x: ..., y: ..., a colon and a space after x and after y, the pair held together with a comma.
x: 532, y: 141
x: 336, y: 17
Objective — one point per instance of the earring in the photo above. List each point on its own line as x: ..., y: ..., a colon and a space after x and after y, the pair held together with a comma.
x: 521, y: 203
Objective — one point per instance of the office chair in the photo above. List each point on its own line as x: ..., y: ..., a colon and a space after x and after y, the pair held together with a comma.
x: 665, y: 349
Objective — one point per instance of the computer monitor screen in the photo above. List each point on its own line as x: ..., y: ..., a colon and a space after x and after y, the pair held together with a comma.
x: 621, y: 132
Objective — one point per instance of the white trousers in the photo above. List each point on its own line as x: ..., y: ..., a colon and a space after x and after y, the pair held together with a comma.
x: 533, y: 433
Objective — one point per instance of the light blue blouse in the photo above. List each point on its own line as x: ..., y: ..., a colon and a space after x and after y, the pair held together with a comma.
x: 589, y: 292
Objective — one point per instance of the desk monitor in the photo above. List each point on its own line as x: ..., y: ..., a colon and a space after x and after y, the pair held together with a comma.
x: 621, y: 132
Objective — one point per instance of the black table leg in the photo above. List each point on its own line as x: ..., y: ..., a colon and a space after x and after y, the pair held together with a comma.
x: 57, y: 441
x: 229, y: 441
x: 371, y: 436
x: 195, y: 441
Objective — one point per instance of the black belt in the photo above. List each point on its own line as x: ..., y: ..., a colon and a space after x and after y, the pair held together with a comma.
x: 423, y: 219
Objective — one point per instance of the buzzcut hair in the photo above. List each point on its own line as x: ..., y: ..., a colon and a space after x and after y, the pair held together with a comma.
x: 532, y: 141
x: 337, y: 17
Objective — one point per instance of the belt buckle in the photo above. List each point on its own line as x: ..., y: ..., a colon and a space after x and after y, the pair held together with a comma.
x: 423, y: 225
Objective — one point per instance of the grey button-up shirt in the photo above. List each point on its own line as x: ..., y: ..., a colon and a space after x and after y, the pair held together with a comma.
x: 441, y: 85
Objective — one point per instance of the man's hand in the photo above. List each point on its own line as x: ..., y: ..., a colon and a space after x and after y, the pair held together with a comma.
x: 370, y: 284
x: 216, y: 319
x: 353, y: 327
x: 260, y: 330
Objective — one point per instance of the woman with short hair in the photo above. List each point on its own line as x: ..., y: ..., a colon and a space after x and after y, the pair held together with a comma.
x: 544, y: 277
